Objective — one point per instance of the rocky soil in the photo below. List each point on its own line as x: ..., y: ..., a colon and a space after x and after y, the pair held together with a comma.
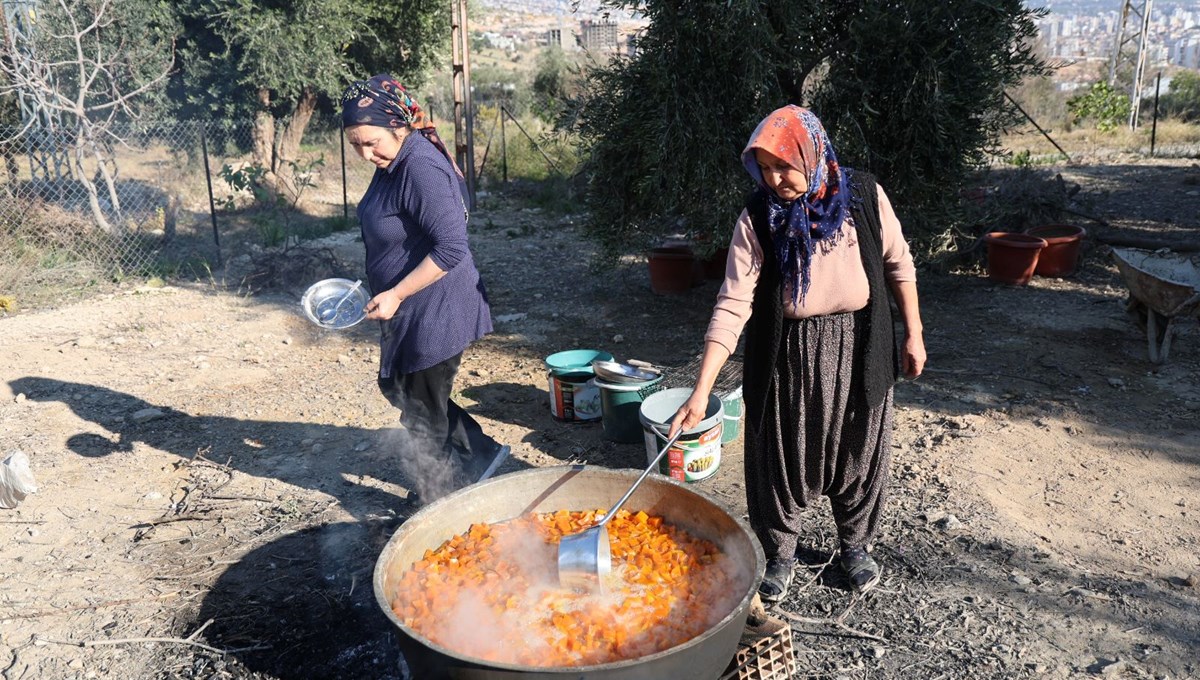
x: 216, y: 480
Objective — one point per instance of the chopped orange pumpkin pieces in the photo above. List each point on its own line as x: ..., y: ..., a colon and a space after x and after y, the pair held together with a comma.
x: 493, y: 594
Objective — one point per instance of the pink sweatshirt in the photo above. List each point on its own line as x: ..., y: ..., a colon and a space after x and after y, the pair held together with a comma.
x: 839, y: 282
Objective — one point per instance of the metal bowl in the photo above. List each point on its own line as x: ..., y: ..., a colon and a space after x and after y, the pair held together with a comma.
x: 322, y: 298
x: 614, y: 372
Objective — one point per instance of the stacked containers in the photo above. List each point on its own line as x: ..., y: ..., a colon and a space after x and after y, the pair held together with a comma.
x: 619, y: 406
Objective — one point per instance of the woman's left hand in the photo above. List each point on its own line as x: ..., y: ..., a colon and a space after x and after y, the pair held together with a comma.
x: 913, y: 357
x: 383, y: 306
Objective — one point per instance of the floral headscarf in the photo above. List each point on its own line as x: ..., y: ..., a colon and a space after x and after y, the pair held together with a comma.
x: 795, y: 136
x: 383, y: 102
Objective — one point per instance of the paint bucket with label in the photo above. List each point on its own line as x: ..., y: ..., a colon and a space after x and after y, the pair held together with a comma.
x: 573, y: 397
x: 697, y: 454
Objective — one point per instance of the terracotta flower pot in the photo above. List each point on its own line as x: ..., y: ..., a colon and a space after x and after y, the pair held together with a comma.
x: 1061, y: 254
x: 1012, y: 258
x: 672, y: 269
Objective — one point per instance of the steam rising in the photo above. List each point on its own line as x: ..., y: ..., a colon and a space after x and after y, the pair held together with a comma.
x: 493, y: 593
x: 429, y: 470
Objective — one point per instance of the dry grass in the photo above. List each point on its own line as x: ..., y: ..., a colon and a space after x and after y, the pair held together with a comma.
x: 1172, y: 139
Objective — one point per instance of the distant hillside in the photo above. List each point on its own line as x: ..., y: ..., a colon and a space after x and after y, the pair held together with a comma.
x: 549, y: 7
x: 587, y: 9
x: 1094, y: 6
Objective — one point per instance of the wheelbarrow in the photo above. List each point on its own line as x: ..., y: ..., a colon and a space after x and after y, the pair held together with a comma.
x: 1163, y: 286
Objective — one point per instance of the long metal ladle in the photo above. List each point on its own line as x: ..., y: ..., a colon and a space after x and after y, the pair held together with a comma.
x: 585, y: 558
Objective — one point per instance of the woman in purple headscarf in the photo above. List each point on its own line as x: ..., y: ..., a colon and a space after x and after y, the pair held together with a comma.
x: 427, y: 293
x: 813, y: 258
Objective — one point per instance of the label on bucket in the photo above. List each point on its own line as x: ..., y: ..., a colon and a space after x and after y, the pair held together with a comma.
x: 690, y: 459
x: 571, y: 400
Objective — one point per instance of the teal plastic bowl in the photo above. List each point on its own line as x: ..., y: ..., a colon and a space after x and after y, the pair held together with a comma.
x: 575, y: 361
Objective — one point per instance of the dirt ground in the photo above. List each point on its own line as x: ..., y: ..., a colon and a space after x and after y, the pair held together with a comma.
x: 214, y: 470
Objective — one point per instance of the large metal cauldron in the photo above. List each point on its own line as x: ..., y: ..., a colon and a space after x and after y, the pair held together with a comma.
x: 573, y: 488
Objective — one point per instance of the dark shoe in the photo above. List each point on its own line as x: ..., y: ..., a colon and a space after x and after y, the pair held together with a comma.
x: 776, y: 580
x: 861, y: 568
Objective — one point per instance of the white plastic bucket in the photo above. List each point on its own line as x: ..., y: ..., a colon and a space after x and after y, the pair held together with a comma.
x: 696, y: 455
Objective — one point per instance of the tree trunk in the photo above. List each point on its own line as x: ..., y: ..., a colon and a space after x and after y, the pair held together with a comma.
x: 289, y: 141
x: 263, y: 133
x: 786, y: 79
x: 109, y: 180
x: 80, y: 175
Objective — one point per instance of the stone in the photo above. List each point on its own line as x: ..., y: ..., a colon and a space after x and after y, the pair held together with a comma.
x: 146, y: 415
x: 1116, y: 383
x: 20, y: 398
x: 618, y: 338
x: 1020, y: 579
x: 362, y: 446
x: 948, y: 523
x: 343, y: 359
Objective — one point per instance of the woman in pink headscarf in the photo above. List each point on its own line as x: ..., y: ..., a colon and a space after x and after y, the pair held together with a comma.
x: 812, y: 260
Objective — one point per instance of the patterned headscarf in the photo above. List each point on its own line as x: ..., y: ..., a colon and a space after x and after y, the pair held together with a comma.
x: 383, y: 102
x: 795, y: 136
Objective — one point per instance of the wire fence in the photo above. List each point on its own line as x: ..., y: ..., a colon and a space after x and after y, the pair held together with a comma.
x: 152, y: 198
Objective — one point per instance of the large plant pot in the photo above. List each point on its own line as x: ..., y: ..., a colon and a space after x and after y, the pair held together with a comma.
x: 1012, y: 258
x: 672, y: 269
x: 1060, y: 257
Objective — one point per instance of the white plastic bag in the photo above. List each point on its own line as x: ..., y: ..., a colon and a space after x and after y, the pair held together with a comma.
x: 16, y: 480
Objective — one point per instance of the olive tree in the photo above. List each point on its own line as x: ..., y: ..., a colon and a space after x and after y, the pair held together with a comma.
x: 912, y: 90
x: 275, y: 60
x: 1183, y: 96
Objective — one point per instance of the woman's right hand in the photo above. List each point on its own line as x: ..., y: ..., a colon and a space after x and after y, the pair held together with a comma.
x: 383, y: 306
x: 690, y: 414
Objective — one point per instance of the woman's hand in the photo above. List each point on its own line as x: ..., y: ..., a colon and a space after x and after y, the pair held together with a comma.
x: 384, y: 305
x: 690, y: 414
x: 913, y: 357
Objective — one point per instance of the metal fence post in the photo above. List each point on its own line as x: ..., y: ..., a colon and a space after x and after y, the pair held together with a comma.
x: 1154, y: 124
x: 345, y: 200
x: 549, y: 163
x: 503, y: 146
x: 212, y: 205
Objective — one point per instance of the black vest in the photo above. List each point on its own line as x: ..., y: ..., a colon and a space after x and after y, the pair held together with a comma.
x: 876, y: 361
